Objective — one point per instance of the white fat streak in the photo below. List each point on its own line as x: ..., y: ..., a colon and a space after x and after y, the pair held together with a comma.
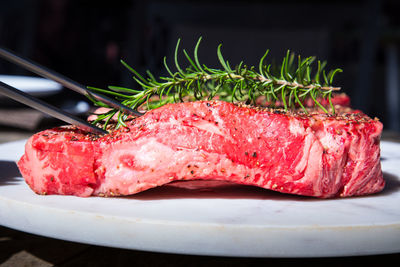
x: 308, y: 142
x: 200, y: 124
x: 311, y: 164
x: 296, y: 128
x: 217, y: 117
x: 208, y: 127
x: 331, y: 145
x: 171, y: 121
x: 314, y: 170
x: 152, y: 153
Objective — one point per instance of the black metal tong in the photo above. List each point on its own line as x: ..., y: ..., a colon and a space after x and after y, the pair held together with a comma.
x: 35, y: 103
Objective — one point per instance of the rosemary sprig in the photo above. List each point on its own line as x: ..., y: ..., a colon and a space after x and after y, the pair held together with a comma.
x: 289, y: 84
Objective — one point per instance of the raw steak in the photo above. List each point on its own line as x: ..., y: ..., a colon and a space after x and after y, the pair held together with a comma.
x: 318, y: 155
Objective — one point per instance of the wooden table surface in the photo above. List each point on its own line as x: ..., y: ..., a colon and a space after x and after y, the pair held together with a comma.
x: 23, y: 249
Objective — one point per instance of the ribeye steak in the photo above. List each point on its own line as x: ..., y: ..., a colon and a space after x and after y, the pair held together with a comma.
x: 313, y: 154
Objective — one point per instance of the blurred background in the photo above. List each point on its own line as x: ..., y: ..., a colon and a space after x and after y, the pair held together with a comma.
x: 85, y: 40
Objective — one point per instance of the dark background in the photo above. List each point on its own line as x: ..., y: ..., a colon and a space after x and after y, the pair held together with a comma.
x: 84, y: 40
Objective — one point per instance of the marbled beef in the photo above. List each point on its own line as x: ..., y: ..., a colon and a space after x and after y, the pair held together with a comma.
x: 313, y: 154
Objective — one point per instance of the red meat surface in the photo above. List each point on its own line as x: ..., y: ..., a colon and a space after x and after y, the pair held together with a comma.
x: 318, y: 155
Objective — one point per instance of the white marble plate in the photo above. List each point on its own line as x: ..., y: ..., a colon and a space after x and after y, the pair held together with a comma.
x: 227, y: 221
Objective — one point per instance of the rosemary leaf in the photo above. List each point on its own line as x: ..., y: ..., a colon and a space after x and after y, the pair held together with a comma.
x: 176, y: 59
x: 196, y: 58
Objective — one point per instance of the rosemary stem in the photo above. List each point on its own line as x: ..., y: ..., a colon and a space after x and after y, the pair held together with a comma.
x: 298, y: 85
x: 290, y: 85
